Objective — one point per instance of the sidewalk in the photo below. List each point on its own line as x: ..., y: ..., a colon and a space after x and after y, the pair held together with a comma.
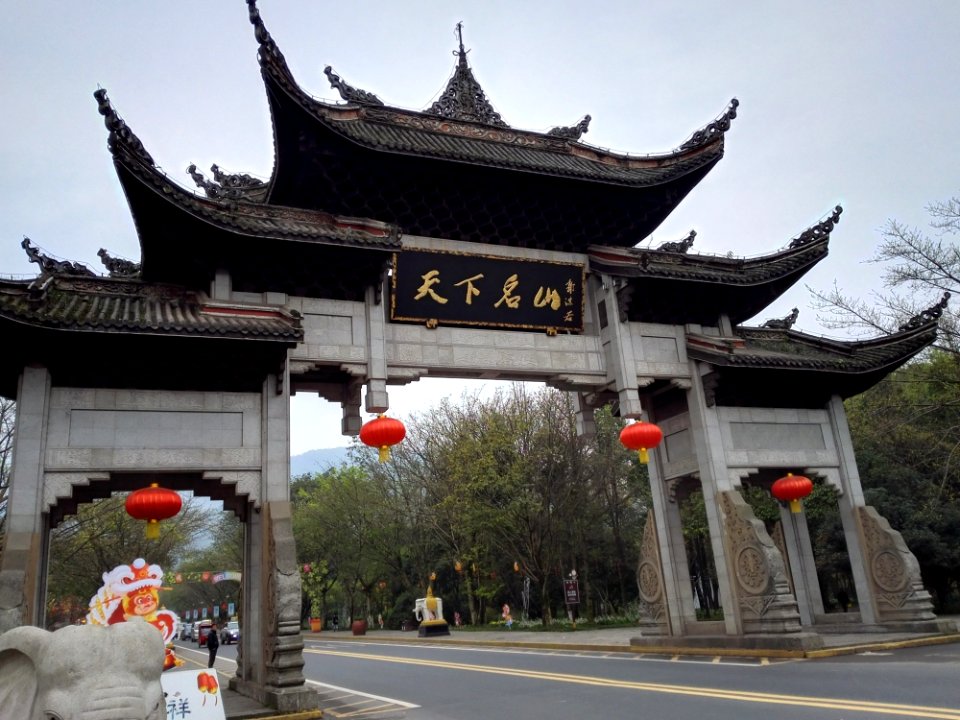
x: 623, y: 640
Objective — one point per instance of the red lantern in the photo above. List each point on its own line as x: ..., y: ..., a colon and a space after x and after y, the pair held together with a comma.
x: 641, y: 436
x: 792, y: 489
x: 153, y: 504
x: 381, y: 433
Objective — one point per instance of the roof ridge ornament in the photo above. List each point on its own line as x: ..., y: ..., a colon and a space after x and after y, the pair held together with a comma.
x: 54, y: 267
x: 925, y: 317
x: 463, y: 98
x: 228, y: 186
x: 119, y: 267
x: 717, y: 128
x: 820, y: 230
x: 268, y: 48
x: 783, y: 323
x: 679, y: 247
x: 348, y: 92
x: 119, y: 130
x: 573, y: 132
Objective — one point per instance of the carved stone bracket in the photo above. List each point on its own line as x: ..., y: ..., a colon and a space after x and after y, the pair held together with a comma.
x: 893, y: 571
x: 654, y: 618
x: 830, y: 476
x: 760, y: 579
x: 405, y: 376
x: 739, y: 475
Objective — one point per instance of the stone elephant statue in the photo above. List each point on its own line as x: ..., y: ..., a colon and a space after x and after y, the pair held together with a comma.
x: 82, y: 672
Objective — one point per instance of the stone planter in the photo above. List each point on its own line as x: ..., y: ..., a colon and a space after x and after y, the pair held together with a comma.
x: 316, y: 624
x: 359, y: 627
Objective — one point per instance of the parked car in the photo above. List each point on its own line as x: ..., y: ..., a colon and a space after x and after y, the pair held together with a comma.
x: 206, y: 627
x: 230, y: 633
x: 186, y: 631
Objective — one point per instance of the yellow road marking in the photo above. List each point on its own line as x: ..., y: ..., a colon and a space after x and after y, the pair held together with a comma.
x: 919, y: 711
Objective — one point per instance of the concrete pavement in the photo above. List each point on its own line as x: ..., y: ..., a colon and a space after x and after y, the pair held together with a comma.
x: 621, y: 639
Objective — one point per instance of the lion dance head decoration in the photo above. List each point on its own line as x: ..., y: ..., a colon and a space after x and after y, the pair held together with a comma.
x: 133, y: 592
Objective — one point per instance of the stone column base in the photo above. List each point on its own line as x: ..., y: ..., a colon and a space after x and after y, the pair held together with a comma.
x: 283, y: 700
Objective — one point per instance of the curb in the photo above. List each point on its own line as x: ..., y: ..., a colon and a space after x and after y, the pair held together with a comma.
x: 667, y: 650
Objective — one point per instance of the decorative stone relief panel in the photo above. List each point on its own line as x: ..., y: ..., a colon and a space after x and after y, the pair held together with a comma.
x: 763, y: 594
x: 894, y: 571
x: 781, y: 542
x: 653, y: 605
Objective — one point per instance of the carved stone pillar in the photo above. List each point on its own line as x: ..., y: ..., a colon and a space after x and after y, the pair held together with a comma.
x: 763, y: 595
x: 23, y: 561
x: 654, y: 618
x: 781, y: 544
x: 282, y: 686
x: 893, y: 571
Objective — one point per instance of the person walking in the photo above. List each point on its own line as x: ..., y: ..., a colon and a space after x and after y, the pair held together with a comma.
x: 213, y: 643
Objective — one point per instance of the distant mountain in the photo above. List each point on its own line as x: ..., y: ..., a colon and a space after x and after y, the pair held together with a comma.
x: 314, y: 461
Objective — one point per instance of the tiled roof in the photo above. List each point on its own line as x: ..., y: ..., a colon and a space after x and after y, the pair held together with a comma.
x: 481, y: 138
x: 254, y: 219
x: 770, y: 348
x: 636, y: 263
x: 114, y: 305
x: 404, y: 132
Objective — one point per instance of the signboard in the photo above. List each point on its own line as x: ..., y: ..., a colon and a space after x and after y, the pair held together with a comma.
x: 571, y: 592
x: 192, y: 695
x: 454, y: 288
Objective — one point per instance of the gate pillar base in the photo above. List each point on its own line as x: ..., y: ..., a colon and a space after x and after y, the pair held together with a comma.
x: 799, y: 641
x: 283, y: 700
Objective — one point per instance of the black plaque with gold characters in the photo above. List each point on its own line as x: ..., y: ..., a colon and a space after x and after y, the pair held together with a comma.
x: 453, y: 288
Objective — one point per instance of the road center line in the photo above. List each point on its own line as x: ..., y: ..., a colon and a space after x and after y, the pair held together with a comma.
x: 918, y: 711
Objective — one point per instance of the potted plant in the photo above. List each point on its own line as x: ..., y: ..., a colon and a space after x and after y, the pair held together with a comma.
x: 311, y: 580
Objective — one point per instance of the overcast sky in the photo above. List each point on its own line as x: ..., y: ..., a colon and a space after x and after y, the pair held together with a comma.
x: 851, y: 103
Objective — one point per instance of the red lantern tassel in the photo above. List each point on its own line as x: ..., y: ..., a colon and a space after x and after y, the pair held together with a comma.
x: 384, y: 453
x: 153, y: 529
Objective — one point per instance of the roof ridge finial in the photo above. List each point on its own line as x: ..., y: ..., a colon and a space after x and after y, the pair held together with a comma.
x: 348, y: 92
x: 715, y: 129
x: 930, y: 315
x: 120, y: 132
x: 51, y: 266
x: 463, y: 98
x: 461, y: 53
x: 821, y: 229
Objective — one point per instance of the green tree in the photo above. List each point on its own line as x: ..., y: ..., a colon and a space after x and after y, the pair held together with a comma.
x: 101, y: 536
x: 8, y: 414
x: 906, y: 432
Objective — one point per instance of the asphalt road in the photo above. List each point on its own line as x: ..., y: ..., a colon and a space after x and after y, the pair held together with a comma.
x: 424, y: 682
